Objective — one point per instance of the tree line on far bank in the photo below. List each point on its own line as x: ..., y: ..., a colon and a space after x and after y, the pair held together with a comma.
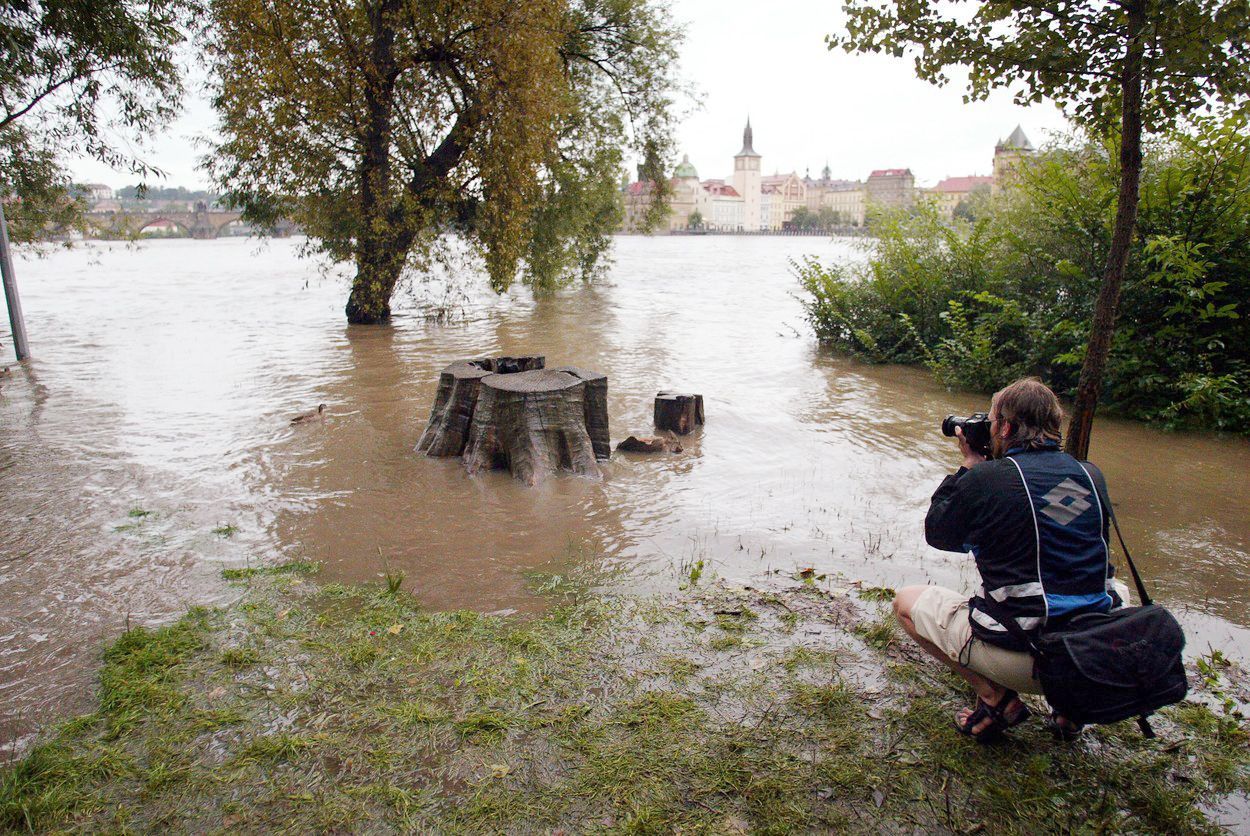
x: 1009, y: 289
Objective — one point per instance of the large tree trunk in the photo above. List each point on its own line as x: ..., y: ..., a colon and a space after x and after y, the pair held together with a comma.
x: 370, y: 299
x: 378, y: 263
x: 532, y: 423
x: 1102, y: 329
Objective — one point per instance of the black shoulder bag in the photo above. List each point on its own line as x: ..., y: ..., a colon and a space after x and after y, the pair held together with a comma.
x: 1107, y: 667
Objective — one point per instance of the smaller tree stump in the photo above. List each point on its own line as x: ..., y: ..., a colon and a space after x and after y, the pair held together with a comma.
x: 596, y: 402
x: 679, y: 413
x: 532, y: 423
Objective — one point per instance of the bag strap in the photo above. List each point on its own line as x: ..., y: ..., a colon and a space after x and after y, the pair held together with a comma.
x: 1141, y: 587
x: 1005, y: 618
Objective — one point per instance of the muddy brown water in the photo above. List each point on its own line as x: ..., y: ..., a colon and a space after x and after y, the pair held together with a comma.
x: 165, y: 375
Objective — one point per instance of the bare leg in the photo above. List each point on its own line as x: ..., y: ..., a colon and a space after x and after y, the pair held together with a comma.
x: 987, y: 689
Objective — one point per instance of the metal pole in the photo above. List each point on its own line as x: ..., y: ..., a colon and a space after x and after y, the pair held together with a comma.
x: 16, y: 320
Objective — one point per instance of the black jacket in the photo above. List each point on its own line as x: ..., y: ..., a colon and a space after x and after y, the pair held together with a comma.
x: 1039, y: 535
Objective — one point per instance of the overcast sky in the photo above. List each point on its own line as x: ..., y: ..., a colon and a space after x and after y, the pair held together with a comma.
x: 807, y: 105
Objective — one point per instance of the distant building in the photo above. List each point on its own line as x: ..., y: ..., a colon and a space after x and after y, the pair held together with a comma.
x: 893, y: 188
x: 780, y: 195
x: 95, y: 192
x: 721, y: 206
x: 637, y: 199
x: 843, y: 197
x: 949, y: 193
x: 1007, y: 155
x: 685, y: 199
x: 747, y: 180
x: 748, y: 203
x: 751, y: 202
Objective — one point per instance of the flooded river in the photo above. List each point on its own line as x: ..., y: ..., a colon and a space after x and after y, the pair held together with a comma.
x: 147, y: 446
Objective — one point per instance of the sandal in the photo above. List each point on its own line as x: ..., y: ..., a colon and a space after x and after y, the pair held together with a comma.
x: 1063, y: 729
x: 999, y: 719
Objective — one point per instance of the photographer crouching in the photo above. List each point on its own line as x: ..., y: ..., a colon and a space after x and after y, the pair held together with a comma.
x: 1036, y: 521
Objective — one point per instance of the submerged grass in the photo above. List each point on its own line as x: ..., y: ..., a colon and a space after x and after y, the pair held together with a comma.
x: 310, y: 708
x: 295, y: 567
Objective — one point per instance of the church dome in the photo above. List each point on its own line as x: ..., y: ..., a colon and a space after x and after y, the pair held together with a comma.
x: 685, y: 168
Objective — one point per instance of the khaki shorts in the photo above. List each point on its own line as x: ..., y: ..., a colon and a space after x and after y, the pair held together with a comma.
x: 941, y: 616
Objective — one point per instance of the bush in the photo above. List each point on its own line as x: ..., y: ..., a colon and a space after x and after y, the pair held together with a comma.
x: 1010, y: 290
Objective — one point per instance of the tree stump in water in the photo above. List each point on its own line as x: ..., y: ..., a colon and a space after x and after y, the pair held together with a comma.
x: 532, y: 423
x: 456, y: 399
x: 596, y: 405
x: 512, y: 365
x: 678, y: 412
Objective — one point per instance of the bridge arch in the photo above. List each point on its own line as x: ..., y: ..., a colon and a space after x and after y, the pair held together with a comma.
x: 226, y: 224
x: 186, y: 230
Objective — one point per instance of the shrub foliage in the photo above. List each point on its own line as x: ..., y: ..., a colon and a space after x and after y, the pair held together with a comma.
x: 1009, y: 289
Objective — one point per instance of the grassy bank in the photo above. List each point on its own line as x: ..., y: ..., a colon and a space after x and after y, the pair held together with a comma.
x: 311, y: 707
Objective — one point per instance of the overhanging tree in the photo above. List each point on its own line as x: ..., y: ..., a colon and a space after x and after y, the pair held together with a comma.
x: 384, y: 126
x: 1128, y: 67
x: 79, y: 78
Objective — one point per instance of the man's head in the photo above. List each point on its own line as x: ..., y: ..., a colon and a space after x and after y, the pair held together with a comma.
x: 1024, y: 414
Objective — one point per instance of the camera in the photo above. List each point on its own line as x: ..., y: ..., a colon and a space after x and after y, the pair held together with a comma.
x: 976, y: 430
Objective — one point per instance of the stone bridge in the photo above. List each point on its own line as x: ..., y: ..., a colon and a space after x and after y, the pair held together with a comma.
x: 202, y: 223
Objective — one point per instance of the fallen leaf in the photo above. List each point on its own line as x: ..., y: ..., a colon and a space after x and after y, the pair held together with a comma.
x: 878, y: 797
x: 499, y: 770
x: 395, y: 629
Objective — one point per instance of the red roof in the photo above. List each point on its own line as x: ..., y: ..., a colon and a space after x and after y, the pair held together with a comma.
x: 959, y: 185
x: 717, y: 188
x: 891, y: 172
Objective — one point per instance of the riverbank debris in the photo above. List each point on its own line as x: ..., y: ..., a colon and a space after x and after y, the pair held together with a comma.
x: 649, y: 444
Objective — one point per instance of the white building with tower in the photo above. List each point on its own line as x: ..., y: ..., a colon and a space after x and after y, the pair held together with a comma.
x: 747, y: 181
x: 748, y: 202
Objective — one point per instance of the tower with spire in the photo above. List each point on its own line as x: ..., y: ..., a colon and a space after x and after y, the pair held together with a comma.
x: 747, y: 180
x: 1007, y: 155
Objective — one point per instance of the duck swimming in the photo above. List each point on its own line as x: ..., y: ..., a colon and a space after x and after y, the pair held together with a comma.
x: 305, y: 417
